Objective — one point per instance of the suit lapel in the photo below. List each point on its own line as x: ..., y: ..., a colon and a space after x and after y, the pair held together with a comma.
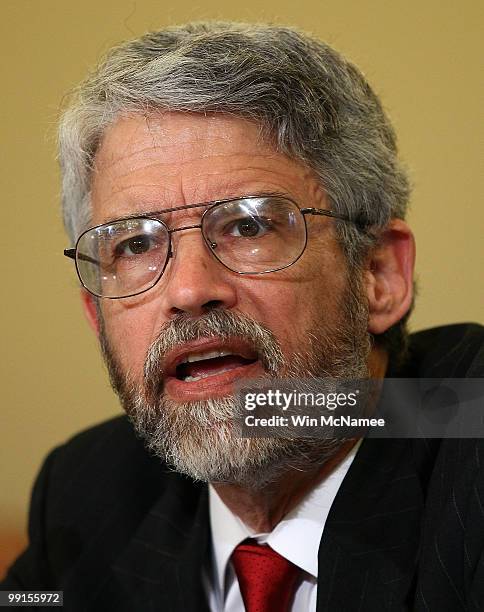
x: 368, y: 552
x: 161, y: 568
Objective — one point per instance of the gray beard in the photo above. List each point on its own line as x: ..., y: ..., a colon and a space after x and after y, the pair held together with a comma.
x: 197, y: 438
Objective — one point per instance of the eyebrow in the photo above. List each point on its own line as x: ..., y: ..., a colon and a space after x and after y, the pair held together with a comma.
x: 156, y: 213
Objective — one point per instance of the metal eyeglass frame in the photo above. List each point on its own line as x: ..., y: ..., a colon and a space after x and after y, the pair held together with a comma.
x: 73, y: 254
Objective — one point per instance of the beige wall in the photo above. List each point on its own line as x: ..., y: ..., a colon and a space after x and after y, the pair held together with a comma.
x: 420, y: 55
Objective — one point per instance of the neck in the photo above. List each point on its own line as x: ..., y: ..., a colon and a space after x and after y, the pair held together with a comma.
x: 264, y: 508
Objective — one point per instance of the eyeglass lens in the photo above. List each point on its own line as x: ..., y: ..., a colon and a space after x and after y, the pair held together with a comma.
x: 248, y: 236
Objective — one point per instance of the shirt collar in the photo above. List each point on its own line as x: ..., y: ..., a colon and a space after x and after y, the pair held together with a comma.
x: 296, y: 537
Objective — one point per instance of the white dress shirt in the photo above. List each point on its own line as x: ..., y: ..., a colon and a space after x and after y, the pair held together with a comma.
x: 296, y: 538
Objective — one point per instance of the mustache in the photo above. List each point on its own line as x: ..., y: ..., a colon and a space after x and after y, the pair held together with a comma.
x: 221, y: 324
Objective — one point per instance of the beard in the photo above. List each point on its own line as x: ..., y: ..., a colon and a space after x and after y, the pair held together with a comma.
x: 197, y: 438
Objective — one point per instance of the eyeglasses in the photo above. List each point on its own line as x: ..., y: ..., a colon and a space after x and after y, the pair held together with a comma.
x: 248, y: 235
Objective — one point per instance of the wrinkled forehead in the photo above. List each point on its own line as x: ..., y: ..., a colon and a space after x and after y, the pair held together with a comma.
x: 151, y: 162
x: 162, y: 131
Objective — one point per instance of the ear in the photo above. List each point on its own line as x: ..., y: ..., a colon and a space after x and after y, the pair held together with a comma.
x: 90, y: 310
x: 390, y: 277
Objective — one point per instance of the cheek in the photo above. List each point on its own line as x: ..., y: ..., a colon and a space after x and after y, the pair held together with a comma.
x: 293, y: 305
x: 130, y: 333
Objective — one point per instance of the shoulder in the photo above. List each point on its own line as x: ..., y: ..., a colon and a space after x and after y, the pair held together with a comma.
x: 98, y: 448
x: 454, y: 351
x: 99, y: 465
x: 100, y: 475
x: 89, y: 498
x: 451, y: 568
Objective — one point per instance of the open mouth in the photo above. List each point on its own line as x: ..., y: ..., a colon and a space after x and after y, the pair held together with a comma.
x: 196, y: 366
x: 209, y: 367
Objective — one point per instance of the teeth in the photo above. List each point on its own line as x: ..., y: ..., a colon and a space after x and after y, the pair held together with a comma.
x: 192, y: 357
x: 195, y: 378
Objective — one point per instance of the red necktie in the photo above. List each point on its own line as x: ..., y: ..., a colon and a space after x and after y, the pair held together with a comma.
x: 267, y: 580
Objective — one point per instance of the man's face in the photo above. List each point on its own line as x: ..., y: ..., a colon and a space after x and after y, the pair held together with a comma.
x: 305, y: 316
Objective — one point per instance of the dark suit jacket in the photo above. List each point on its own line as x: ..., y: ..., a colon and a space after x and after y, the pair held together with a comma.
x: 117, y: 531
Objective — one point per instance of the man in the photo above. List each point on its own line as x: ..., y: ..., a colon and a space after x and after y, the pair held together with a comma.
x: 237, y: 208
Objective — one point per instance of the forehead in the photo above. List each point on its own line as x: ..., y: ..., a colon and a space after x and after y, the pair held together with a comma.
x: 148, y: 163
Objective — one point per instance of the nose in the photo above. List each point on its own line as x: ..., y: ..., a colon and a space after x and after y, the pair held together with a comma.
x: 194, y: 282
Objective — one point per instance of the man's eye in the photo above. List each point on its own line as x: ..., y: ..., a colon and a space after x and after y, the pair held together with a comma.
x: 249, y: 227
x: 137, y: 245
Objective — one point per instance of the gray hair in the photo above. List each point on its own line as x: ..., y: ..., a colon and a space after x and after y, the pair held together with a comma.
x: 309, y: 101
